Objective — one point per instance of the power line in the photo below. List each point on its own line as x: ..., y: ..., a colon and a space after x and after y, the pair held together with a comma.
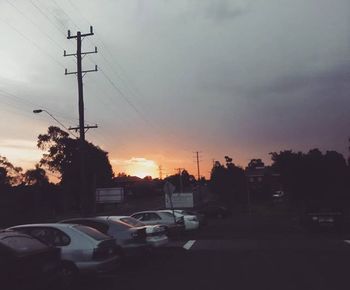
x: 48, y: 18
x: 63, y: 11
x: 32, y: 105
x: 33, y: 23
x: 32, y: 42
x: 117, y: 88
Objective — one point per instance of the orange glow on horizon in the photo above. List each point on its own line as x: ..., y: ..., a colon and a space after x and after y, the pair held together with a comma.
x: 136, y: 166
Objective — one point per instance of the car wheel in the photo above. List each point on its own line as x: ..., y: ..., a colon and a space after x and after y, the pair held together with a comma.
x: 69, y: 275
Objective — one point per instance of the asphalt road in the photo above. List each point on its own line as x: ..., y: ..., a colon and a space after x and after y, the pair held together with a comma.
x: 240, y: 253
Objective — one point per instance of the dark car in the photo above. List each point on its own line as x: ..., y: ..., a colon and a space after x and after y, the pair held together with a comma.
x: 27, y: 263
x: 214, y: 209
x: 316, y: 219
x: 130, y: 240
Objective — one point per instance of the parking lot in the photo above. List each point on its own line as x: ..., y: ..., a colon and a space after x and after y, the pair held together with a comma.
x: 240, y: 252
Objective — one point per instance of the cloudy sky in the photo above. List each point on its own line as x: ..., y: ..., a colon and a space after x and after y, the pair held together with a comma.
x: 241, y: 78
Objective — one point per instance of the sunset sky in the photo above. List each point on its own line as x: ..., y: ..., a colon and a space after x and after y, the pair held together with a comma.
x: 241, y: 78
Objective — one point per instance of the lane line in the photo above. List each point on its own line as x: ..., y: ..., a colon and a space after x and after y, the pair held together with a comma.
x: 189, y: 244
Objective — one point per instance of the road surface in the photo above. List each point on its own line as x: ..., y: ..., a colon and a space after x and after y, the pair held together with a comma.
x: 240, y: 253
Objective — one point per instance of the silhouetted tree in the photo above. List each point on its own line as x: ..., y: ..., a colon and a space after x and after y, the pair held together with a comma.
x: 313, y: 177
x: 255, y: 163
x: 187, y: 180
x: 63, y: 157
x: 9, y: 174
x: 36, y: 177
x: 228, y: 182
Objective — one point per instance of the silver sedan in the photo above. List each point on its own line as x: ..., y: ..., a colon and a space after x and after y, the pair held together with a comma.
x: 83, y: 249
x: 172, y: 223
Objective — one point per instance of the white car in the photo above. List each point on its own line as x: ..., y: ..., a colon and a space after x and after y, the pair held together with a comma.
x: 84, y: 250
x: 155, y: 234
x: 173, y: 224
x: 191, y: 221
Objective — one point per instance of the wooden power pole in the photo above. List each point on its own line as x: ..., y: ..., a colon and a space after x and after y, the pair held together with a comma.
x: 86, y: 195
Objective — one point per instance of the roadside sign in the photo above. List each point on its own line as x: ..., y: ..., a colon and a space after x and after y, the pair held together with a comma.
x: 179, y: 200
x: 110, y: 195
x: 169, y: 189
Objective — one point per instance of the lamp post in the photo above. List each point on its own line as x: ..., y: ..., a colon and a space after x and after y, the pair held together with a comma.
x: 38, y: 111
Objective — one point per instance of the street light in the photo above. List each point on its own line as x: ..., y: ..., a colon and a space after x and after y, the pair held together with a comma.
x: 38, y: 111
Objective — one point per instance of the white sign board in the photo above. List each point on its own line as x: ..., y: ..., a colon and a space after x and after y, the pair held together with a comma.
x: 180, y: 200
x: 110, y: 195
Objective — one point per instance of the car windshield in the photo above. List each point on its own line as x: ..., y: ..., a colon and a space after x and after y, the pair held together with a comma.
x: 132, y: 222
x: 169, y: 214
x: 91, y: 232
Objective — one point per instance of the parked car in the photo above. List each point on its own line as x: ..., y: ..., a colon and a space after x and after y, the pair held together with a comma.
x: 131, y: 240
x: 214, y: 209
x: 84, y: 250
x: 172, y: 225
x: 191, y: 221
x: 200, y: 217
x: 27, y: 263
x: 323, y: 218
x: 155, y: 234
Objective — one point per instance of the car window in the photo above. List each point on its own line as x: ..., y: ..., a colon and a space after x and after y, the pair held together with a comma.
x: 101, y: 226
x: 138, y: 216
x: 50, y: 236
x: 153, y: 216
x: 22, y: 244
x: 169, y: 214
x: 91, y: 232
x: 132, y: 221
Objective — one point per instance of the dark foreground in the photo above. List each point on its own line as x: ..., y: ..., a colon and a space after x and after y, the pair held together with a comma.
x: 240, y: 253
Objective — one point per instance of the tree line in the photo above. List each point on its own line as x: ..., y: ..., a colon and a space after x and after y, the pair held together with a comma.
x: 312, y: 179
x: 307, y: 178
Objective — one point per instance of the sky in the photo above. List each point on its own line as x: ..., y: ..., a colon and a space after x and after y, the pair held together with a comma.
x: 241, y: 78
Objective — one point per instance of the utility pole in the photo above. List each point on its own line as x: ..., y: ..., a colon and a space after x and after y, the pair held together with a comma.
x: 86, y: 199
x: 198, y: 171
x: 198, y: 178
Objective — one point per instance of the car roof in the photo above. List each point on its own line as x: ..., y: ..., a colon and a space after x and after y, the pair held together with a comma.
x: 53, y: 225
x: 145, y: 211
x: 116, y: 216
x: 11, y: 233
x: 99, y: 218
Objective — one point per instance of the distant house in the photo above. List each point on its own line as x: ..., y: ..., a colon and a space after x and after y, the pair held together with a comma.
x: 262, y: 180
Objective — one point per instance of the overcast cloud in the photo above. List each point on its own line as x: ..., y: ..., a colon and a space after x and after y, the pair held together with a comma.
x: 238, y: 78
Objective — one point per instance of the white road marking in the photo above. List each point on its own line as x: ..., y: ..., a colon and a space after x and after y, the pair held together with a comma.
x: 347, y: 241
x: 189, y: 244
